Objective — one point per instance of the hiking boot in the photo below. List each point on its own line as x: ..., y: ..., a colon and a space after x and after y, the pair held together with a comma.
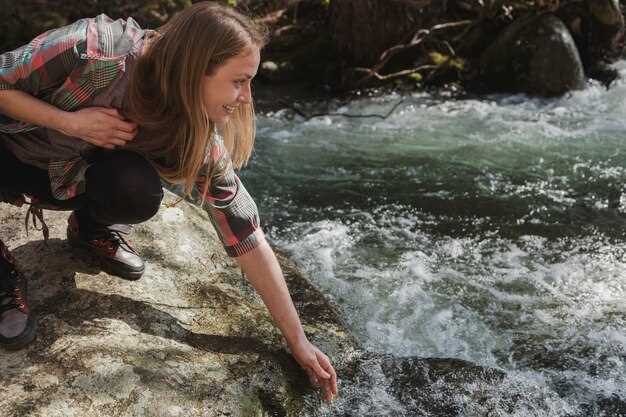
x: 108, y: 243
x: 17, y: 325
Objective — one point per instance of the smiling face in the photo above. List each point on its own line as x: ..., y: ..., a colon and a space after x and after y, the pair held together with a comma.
x: 229, y: 86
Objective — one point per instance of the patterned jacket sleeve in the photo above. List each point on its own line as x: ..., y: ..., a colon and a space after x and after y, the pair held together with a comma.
x: 232, y: 210
x: 45, y: 62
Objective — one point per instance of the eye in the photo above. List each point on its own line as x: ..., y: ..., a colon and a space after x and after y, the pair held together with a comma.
x: 240, y: 83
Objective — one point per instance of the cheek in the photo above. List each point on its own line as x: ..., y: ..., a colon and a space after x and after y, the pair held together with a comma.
x: 217, y: 94
x: 213, y: 99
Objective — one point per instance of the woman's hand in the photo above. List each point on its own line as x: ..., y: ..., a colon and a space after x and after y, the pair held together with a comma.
x: 263, y: 271
x: 100, y: 126
x: 317, y: 366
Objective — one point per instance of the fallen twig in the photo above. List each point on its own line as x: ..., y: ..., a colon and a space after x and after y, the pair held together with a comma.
x: 371, y: 73
x: 354, y: 116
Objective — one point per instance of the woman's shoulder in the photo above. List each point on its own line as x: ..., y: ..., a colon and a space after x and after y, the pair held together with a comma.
x: 110, y: 39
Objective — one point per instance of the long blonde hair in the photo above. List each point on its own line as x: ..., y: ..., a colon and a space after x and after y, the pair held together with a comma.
x: 164, y: 91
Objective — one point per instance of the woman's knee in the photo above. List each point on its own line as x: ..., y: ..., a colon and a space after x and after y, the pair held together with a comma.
x: 127, y: 185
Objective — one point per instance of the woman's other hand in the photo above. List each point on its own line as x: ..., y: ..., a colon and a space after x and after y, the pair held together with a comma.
x: 317, y: 366
x: 100, y: 126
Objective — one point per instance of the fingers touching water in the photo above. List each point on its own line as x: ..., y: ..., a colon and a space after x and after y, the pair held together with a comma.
x: 318, y: 368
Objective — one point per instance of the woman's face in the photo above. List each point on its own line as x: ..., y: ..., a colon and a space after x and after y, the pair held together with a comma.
x: 229, y: 86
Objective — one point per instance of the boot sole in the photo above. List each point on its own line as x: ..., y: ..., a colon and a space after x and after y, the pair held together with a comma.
x: 109, y: 266
x: 28, y: 335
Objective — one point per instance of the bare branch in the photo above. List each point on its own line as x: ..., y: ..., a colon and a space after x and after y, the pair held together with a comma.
x: 353, y: 116
x: 451, y: 25
x: 395, y: 74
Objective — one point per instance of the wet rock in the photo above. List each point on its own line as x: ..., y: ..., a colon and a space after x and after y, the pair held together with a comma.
x: 535, y: 55
x: 425, y: 383
x: 412, y: 386
x: 612, y: 406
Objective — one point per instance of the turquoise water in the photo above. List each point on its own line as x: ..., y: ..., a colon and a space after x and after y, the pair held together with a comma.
x: 491, y: 230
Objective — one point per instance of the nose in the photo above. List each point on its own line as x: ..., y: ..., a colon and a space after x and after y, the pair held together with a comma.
x: 245, y: 96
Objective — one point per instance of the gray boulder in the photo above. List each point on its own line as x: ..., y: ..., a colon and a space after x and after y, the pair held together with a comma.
x: 535, y: 55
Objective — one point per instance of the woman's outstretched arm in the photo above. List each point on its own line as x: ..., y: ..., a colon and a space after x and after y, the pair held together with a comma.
x: 263, y: 271
x: 236, y: 219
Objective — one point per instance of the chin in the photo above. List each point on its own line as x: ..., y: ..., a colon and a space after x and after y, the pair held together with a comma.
x: 220, y: 119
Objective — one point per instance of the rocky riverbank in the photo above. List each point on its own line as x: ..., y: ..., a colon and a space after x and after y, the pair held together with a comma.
x: 191, y: 338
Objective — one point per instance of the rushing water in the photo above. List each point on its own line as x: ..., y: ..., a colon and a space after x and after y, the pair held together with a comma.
x: 489, y: 229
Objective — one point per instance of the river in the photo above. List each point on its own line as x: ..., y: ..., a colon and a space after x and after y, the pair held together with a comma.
x: 490, y: 230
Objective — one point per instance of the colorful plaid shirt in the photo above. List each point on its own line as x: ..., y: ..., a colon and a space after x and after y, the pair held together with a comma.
x: 85, y: 64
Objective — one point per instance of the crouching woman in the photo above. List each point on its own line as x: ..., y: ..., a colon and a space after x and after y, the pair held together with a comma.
x: 96, y: 113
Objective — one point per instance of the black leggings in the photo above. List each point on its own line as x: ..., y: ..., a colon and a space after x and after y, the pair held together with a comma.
x: 121, y: 187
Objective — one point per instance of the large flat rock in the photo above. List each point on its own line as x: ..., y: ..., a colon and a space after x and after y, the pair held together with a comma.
x: 191, y: 338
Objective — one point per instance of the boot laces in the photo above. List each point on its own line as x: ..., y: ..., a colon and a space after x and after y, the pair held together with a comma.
x: 111, y: 238
x: 36, y: 213
x: 11, y: 292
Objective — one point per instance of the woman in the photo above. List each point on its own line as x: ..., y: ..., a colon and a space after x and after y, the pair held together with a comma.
x: 97, y: 112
